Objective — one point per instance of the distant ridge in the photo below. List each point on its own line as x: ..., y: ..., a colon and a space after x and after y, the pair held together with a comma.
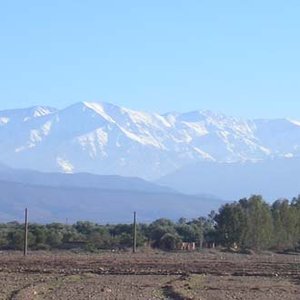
x: 81, y: 180
x: 57, y: 197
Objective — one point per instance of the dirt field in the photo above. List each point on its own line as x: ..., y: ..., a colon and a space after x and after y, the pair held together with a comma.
x: 154, y: 275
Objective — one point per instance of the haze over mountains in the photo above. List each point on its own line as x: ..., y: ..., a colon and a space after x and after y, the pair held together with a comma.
x: 272, y: 178
x: 192, y: 152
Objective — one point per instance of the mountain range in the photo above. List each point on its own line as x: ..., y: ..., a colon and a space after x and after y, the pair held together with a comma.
x: 55, y: 197
x: 106, y: 139
x: 98, y: 160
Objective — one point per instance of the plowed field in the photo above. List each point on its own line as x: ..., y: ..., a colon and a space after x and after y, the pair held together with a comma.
x: 154, y: 275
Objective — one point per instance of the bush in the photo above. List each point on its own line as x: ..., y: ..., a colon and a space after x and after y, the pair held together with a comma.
x: 169, y: 241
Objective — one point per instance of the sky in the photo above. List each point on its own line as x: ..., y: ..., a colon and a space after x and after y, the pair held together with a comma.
x: 237, y: 57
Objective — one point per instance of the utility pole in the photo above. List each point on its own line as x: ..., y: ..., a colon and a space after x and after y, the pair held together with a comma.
x: 26, y: 232
x: 134, y: 233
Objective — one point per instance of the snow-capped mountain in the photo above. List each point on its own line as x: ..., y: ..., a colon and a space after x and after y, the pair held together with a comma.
x: 107, y: 139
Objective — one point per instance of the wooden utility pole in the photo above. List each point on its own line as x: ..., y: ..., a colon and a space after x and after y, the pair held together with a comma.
x: 134, y: 233
x: 26, y: 232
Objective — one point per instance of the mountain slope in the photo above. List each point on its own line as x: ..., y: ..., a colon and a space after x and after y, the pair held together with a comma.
x: 103, y: 138
x: 56, y: 204
x: 81, y: 180
x: 55, y: 197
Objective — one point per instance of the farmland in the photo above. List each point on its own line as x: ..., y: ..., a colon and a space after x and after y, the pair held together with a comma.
x: 210, y: 274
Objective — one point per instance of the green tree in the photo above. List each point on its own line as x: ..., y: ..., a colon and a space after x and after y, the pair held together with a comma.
x: 285, y: 223
x: 259, y: 224
x: 231, y: 224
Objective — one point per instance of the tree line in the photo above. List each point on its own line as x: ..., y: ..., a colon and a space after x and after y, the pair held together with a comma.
x: 250, y: 223
x: 254, y: 224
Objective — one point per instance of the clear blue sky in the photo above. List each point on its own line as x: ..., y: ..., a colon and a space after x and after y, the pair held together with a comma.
x: 237, y: 57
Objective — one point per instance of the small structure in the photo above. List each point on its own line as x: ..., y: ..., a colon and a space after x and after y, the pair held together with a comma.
x: 209, y: 245
x: 188, y: 246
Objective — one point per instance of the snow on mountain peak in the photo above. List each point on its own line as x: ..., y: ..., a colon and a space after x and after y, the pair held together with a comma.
x: 23, y: 115
x: 295, y: 122
x: 39, y: 111
x: 105, y: 138
x: 65, y: 165
x: 99, y: 109
x: 4, y: 121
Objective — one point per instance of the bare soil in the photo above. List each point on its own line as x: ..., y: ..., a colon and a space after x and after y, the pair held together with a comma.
x: 153, y: 275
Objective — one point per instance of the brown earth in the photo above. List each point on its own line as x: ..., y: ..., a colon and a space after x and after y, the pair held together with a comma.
x: 153, y: 275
